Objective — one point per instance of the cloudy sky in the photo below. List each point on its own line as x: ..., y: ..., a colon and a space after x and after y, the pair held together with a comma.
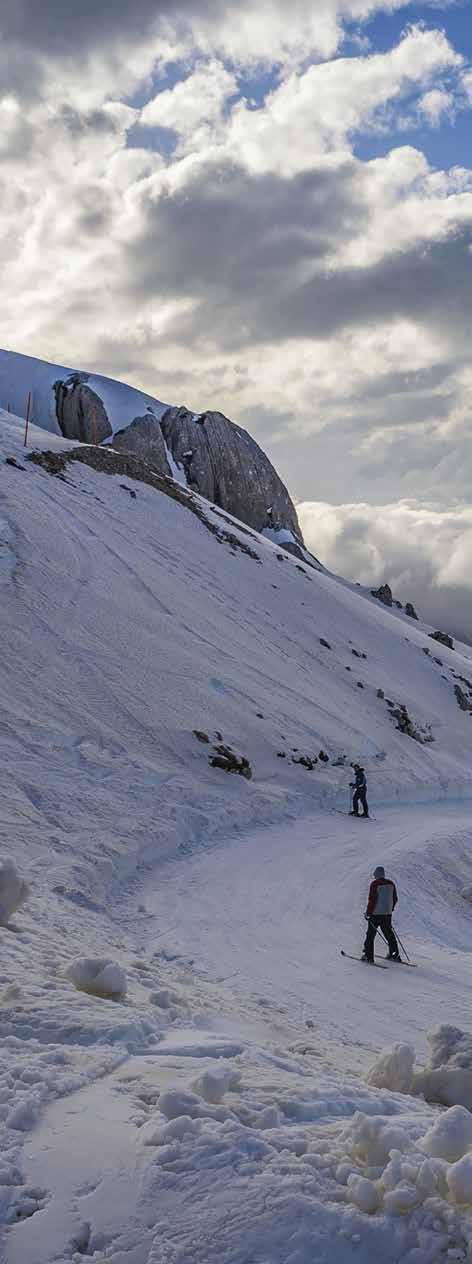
x: 264, y: 208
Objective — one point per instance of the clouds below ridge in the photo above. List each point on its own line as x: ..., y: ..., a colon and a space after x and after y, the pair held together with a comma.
x: 423, y: 554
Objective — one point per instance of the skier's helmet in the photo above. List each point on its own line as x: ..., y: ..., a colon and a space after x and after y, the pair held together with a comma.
x: 379, y: 872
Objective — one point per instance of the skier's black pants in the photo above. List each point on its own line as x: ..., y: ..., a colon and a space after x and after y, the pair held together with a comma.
x: 360, y: 796
x: 380, y: 922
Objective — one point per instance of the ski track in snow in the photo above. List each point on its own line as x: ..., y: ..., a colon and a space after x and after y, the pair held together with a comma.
x: 124, y: 626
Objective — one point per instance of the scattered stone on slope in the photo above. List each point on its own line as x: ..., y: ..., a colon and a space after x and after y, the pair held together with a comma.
x: 144, y: 438
x: 306, y: 761
x: 444, y: 639
x: 80, y: 412
x: 383, y: 594
x: 464, y: 703
x: 326, y: 644
x: 229, y: 761
x: 405, y: 725
x: 200, y: 735
x: 224, y: 463
x: 10, y: 460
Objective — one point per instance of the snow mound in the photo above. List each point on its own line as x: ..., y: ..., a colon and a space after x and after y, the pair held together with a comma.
x: 446, y: 1079
x: 13, y: 890
x: 370, y: 1139
x: 450, y: 1136
x: 98, y: 976
x: 394, y: 1069
x: 459, y: 1180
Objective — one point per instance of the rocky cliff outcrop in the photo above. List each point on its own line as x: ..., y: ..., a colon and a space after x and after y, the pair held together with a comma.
x: 144, y: 439
x: 205, y: 451
x: 222, y: 462
x: 80, y: 412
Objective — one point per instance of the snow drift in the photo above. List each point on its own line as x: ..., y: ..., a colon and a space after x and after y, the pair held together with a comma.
x: 13, y: 890
x: 446, y: 1079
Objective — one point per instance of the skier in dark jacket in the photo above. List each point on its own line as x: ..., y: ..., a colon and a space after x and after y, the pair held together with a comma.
x: 380, y: 905
x: 360, y: 791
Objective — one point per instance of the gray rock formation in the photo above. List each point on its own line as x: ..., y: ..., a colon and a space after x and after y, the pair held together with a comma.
x: 144, y: 439
x: 384, y: 594
x: 223, y: 463
x: 80, y: 412
x: 410, y: 610
x: 443, y: 638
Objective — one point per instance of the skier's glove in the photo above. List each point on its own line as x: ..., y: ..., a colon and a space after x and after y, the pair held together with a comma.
x: 367, y: 917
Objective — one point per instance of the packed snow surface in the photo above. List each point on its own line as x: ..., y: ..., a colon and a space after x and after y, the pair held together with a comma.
x: 251, y: 1098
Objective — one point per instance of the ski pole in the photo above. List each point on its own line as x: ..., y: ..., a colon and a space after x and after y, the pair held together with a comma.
x: 397, y: 937
x: 402, y: 946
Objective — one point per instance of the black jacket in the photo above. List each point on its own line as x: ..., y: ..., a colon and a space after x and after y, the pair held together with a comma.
x: 360, y: 783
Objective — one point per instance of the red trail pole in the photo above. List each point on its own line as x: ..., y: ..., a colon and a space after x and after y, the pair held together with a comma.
x: 28, y: 410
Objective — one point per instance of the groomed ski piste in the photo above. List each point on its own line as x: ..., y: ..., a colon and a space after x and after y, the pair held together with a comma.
x: 253, y: 1098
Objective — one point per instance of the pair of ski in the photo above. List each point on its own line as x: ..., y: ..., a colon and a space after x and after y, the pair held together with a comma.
x: 378, y: 964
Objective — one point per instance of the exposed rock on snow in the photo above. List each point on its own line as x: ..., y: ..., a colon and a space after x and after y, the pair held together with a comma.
x: 383, y: 594
x: 13, y: 890
x: 144, y: 439
x: 223, y: 463
x: 229, y: 761
x: 98, y: 976
x: 80, y: 411
x: 443, y: 638
x: 462, y: 701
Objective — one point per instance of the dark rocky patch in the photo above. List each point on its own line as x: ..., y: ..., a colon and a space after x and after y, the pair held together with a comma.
x: 444, y: 639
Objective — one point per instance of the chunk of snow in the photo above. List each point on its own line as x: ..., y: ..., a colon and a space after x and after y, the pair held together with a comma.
x: 446, y: 1079
x: 153, y: 1134
x: 175, y: 1102
x: 371, y: 1139
x: 24, y: 1114
x: 394, y: 1069
x: 459, y: 1180
x: 98, y: 976
x: 13, y: 890
x: 450, y: 1136
x: 363, y: 1193
x: 213, y: 1084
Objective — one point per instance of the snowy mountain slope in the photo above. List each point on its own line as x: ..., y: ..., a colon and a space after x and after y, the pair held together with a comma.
x: 127, y: 622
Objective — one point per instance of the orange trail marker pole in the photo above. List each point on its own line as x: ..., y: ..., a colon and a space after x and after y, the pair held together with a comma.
x: 28, y: 410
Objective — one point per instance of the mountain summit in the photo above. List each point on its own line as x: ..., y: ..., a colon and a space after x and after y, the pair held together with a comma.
x: 205, y: 451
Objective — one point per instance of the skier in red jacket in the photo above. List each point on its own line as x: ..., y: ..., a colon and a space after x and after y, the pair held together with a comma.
x: 380, y: 905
